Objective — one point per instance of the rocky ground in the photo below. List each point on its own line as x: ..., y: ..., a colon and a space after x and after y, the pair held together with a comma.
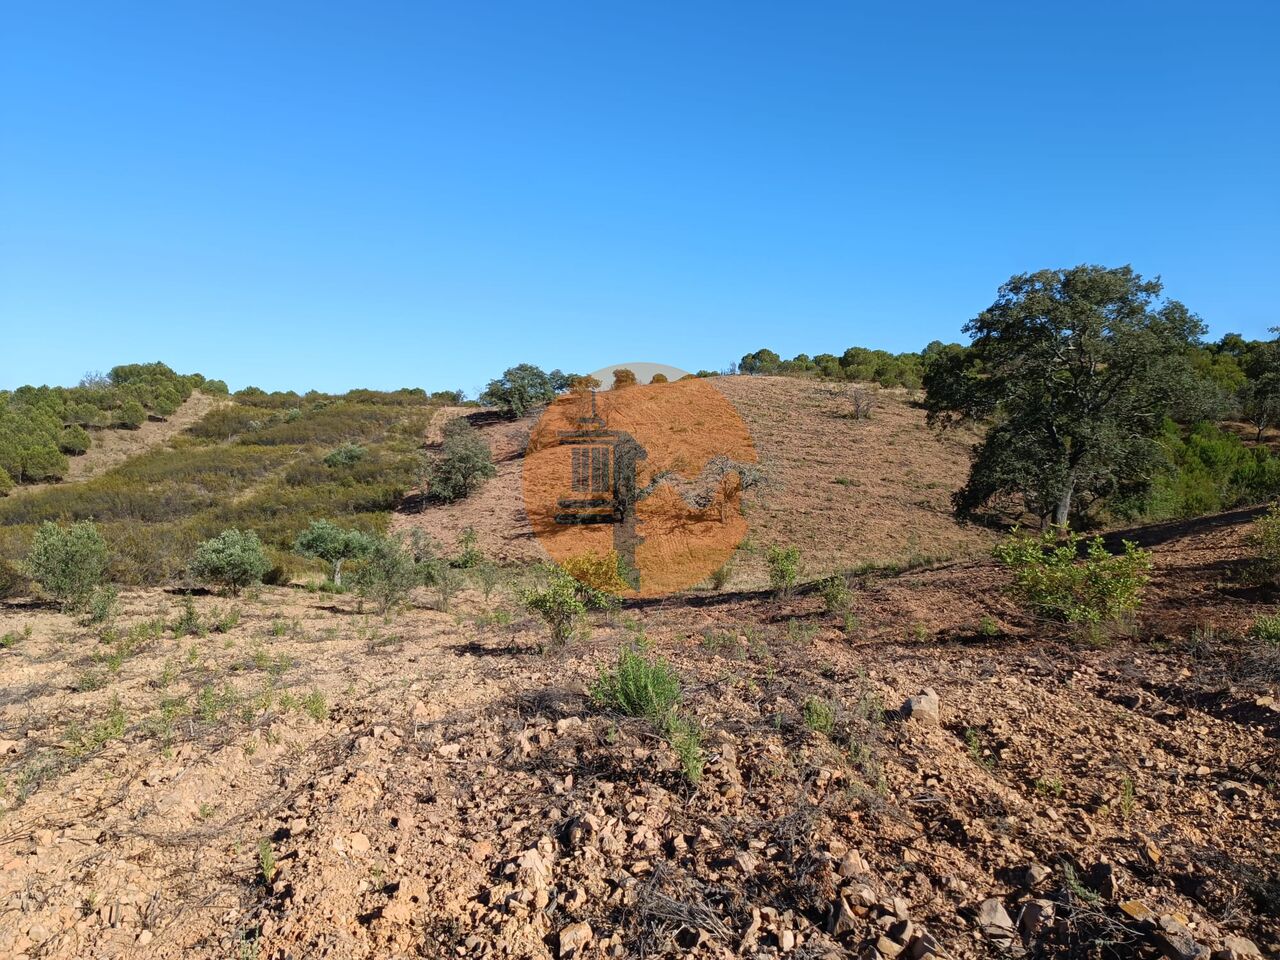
x: 931, y: 773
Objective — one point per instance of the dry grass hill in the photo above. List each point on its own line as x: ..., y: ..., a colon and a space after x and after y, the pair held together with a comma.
x: 284, y: 775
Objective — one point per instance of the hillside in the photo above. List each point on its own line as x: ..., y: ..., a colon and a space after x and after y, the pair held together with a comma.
x: 883, y: 483
x: 284, y: 774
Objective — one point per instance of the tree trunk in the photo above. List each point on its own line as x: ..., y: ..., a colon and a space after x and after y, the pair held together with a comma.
x: 337, y: 572
x: 1062, y: 512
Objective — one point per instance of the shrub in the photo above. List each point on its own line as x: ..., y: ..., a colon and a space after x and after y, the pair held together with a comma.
x: 388, y: 573
x: 658, y: 378
x: 1266, y: 539
x: 469, y: 555
x: 836, y: 594
x: 132, y: 415
x: 102, y: 604
x: 333, y: 544
x: 623, y: 377
x: 559, y: 604
x: 1266, y: 629
x: 6, y: 482
x: 722, y: 575
x: 73, y: 440
x: 520, y: 389
x: 639, y: 686
x: 820, y: 715
x: 233, y: 559
x: 67, y: 562
x: 1050, y: 575
x: 599, y: 578
x: 345, y: 456
x: 784, y: 569
x: 464, y: 462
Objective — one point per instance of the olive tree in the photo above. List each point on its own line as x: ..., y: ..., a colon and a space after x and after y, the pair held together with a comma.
x: 1074, y: 372
x: 333, y: 544
x: 67, y: 562
x: 234, y: 559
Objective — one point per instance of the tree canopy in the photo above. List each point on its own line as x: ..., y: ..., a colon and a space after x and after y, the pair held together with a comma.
x: 1075, y: 371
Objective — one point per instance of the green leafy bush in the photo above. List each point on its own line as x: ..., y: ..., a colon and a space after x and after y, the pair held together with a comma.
x: 1266, y: 629
x: 836, y: 594
x: 73, y: 440
x: 68, y: 562
x: 559, y: 604
x: 1051, y: 576
x: 465, y: 461
x: 132, y: 415
x: 233, y: 559
x: 1265, y: 537
x: 820, y: 715
x: 345, y: 456
x: 389, y: 571
x: 784, y: 569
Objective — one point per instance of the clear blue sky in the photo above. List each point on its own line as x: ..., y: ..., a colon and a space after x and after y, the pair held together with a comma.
x: 330, y: 194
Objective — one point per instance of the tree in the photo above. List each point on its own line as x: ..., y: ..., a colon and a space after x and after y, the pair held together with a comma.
x: 520, y: 389
x: 68, y: 562
x: 1075, y: 370
x: 6, y: 482
x: 464, y: 462
x: 233, y: 559
x: 1259, y: 395
x: 73, y: 439
x: 333, y: 544
x: 132, y: 415
x: 658, y: 378
x: 623, y: 377
x: 762, y: 361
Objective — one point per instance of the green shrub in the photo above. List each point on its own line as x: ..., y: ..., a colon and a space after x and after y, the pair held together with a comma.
x: 1052, y: 577
x: 469, y: 554
x: 722, y: 575
x: 388, y: 573
x: 784, y: 569
x: 73, y: 440
x: 6, y: 482
x: 132, y: 415
x: 639, y: 686
x: 233, y: 559
x: 820, y: 715
x: 648, y: 687
x: 1266, y: 629
x: 345, y: 456
x: 559, y: 604
x: 464, y: 462
x: 1265, y: 537
x: 333, y: 544
x: 102, y: 604
x: 836, y: 594
x: 67, y: 562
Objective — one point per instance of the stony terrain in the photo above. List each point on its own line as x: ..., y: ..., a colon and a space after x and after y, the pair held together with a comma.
x: 931, y: 773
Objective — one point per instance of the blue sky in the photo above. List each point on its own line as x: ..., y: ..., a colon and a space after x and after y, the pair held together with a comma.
x: 330, y: 195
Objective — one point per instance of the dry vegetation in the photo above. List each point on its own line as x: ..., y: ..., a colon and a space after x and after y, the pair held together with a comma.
x: 285, y: 774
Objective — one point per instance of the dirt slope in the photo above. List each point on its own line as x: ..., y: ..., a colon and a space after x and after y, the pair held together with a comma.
x: 844, y: 491
x: 110, y: 448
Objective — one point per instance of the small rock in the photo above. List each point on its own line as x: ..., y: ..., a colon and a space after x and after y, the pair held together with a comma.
x: 1036, y: 874
x: 843, y: 919
x: 1034, y: 917
x: 574, y: 937
x: 852, y: 865
x: 144, y: 938
x: 1237, y: 948
x: 359, y: 843
x: 923, y: 706
x: 1176, y: 942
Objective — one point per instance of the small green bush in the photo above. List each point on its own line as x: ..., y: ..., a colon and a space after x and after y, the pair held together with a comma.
x: 639, y: 686
x: 465, y: 461
x: 1265, y: 537
x: 784, y: 569
x: 388, y: 573
x: 346, y: 455
x: 234, y: 559
x: 559, y: 604
x: 836, y: 594
x: 73, y: 440
x: 102, y: 604
x: 132, y: 415
x: 1266, y: 629
x: 6, y: 482
x: 67, y: 562
x: 820, y: 715
x: 1052, y: 577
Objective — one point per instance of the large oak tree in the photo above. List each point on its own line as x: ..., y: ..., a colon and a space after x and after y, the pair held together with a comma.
x: 1074, y: 372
